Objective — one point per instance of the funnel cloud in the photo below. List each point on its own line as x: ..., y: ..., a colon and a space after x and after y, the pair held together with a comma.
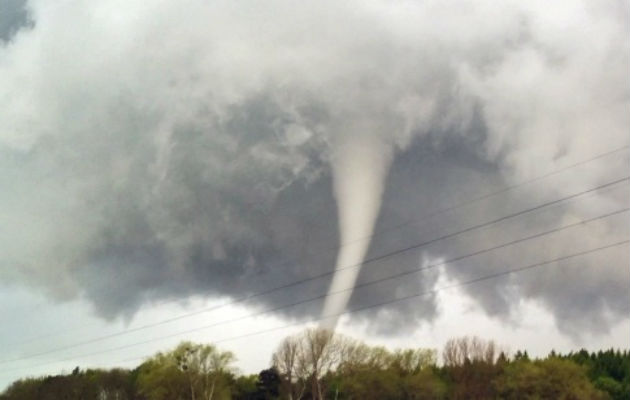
x: 359, y: 170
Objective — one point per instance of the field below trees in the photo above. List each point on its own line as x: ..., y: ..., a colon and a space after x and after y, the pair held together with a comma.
x: 318, y: 364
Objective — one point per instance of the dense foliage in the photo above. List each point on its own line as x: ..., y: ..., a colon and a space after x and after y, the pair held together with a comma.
x: 321, y: 365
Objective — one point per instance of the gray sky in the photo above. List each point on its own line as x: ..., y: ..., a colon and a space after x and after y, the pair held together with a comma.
x: 158, y: 157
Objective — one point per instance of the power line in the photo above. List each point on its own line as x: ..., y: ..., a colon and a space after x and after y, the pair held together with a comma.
x: 372, y: 306
x: 389, y: 277
x: 391, y: 229
x: 358, y: 286
x: 494, y: 193
x: 380, y: 280
x: 456, y: 285
x: 479, y: 198
x: 532, y: 180
x: 367, y: 261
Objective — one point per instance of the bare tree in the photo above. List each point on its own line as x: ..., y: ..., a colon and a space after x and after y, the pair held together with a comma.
x: 285, y: 360
x: 317, y: 356
x: 307, y: 357
x: 465, y: 349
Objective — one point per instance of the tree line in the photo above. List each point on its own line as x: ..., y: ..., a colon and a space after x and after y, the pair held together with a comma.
x: 318, y: 364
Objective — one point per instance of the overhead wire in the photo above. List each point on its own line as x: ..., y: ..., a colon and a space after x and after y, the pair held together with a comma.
x: 356, y: 265
x: 364, y: 308
x: 394, y: 228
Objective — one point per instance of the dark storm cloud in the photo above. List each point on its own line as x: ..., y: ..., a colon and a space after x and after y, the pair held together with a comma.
x: 181, y: 151
x: 14, y: 15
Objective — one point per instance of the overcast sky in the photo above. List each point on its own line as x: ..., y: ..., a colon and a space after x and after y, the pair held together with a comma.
x: 159, y: 158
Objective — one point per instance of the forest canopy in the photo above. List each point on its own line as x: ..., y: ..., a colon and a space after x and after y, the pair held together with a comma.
x: 318, y: 364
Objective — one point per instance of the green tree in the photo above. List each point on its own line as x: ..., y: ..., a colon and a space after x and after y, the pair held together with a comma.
x: 552, y: 378
x: 190, y: 371
x: 424, y: 384
x: 23, y: 389
x: 614, y: 389
x: 245, y: 387
x: 268, y: 384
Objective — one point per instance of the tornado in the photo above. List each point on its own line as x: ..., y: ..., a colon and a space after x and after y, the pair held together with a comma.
x: 360, y: 163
